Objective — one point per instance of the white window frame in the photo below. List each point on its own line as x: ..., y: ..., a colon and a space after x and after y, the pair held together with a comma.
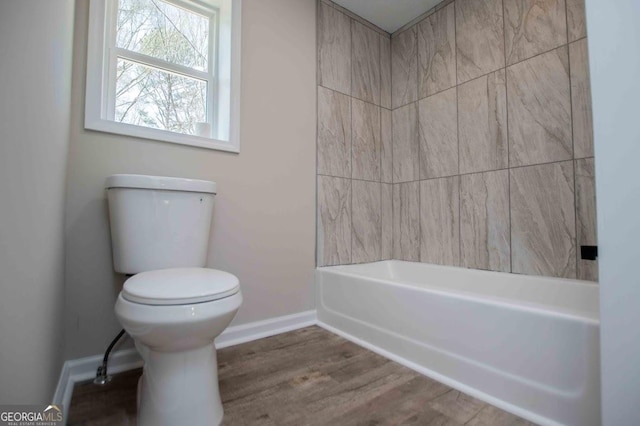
x: 223, y: 103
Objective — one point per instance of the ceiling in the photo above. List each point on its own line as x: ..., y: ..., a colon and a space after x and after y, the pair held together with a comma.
x: 389, y: 15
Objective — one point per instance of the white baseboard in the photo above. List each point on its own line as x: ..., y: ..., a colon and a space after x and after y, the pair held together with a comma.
x: 260, y: 329
x: 84, y: 369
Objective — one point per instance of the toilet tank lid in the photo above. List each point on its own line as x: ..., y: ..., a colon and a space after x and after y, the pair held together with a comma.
x: 160, y: 182
x: 180, y: 286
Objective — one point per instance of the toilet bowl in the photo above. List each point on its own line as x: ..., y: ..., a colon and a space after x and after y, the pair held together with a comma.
x: 172, y: 306
x: 174, y: 315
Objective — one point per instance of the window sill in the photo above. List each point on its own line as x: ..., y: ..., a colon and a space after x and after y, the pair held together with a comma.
x: 161, y: 135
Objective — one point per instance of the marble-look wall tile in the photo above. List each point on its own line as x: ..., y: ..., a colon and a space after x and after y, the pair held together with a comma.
x: 439, y: 221
x: 576, y: 20
x: 539, y: 105
x: 366, y: 238
x: 543, y: 238
x: 581, y: 99
x: 387, y: 221
x: 365, y: 126
x: 386, y: 154
x: 334, y: 133
x: 334, y: 49
x: 385, y: 71
x: 484, y: 221
x: 438, y: 135
x: 334, y: 221
x: 443, y: 4
x: 358, y: 18
x: 406, y: 221
x: 426, y: 148
x: 365, y: 63
x: 533, y: 27
x: 414, y: 21
x: 482, y: 123
x: 479, y: 38
x: 586, y: 216
x: 404, y: 68
x: 436, y: 52
x: 406, y: 163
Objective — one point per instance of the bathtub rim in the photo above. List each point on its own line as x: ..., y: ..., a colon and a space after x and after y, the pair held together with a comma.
x: 586, y: 315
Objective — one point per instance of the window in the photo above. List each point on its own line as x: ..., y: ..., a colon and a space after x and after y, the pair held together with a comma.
x: 165, y: 70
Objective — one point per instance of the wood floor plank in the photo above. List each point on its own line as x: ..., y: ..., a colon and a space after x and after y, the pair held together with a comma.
x: 111, y: 404
x: 458, y: 406
x: 324, y: 405
x: 246, y: 379
x: 399, y: 405
x: 305, y: 377
x: 493, y: 416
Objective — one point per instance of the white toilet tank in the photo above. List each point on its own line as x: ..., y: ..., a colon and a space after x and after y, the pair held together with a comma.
x: 159, y: 222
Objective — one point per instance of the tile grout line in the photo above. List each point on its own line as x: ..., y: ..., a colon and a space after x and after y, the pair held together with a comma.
x: 380, y: 138
x: 317, y: 198
x: 351, y: 61
x: 391, y: 135
x: 506, y: 96
x: 420, y: 18
x: 357, y: 18
x: 573, y: 145
x: 354, y: 97
x: 351, y: 184
x: 416, y: 21
x: 539, y: 54
x: 393, y: 209
x: 470, y: 173
x: 490, y: 72
x: 455, y: 51
x: 393, y: 206
x: 414, y: 28
x: 417, y: 133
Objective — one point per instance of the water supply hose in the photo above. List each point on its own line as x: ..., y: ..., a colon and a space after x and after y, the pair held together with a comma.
x: 102, y: 378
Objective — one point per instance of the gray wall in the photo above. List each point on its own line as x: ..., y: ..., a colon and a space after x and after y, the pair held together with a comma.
x: 264, y: 212
x: 354, y: 139
x: 615, y: 66
x: 492, y: 162
x: 35, y: 78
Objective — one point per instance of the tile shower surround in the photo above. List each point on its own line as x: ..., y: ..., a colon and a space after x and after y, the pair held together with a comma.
x: 355, y: 190
x: 484, y: 153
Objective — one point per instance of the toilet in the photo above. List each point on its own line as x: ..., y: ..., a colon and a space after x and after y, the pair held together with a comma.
x: 171, y: 306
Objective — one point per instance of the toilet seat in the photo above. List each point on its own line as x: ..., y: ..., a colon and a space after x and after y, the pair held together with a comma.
x: 179, y: 286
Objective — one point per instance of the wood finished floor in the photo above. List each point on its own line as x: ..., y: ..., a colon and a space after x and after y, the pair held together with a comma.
x: 306, y: 377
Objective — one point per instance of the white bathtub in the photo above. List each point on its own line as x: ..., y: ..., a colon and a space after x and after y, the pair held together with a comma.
x: 526, y: 344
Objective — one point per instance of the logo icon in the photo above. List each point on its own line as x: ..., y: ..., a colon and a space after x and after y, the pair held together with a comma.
x: 31, y: 415
x: 52, y: 407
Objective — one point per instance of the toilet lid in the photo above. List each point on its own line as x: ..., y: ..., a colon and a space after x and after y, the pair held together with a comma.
x: 179, y: 286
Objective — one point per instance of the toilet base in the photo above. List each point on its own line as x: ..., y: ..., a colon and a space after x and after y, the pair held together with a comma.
x: 179, y: 388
